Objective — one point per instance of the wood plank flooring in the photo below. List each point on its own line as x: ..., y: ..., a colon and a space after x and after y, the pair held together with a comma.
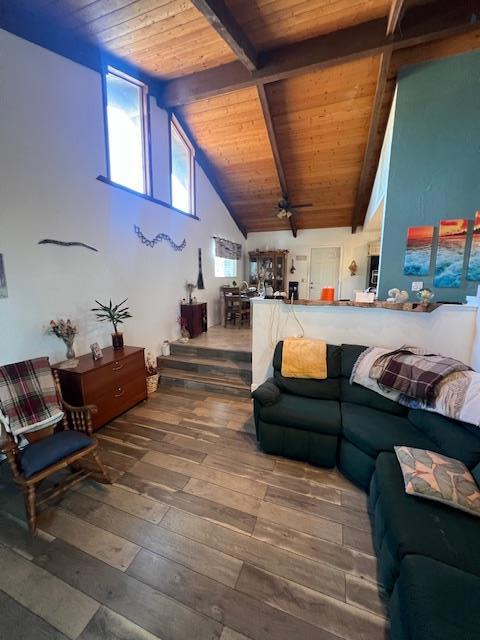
x: 202, y: 537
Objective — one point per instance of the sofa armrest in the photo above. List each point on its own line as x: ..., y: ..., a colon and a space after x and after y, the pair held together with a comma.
x: 267, y: 393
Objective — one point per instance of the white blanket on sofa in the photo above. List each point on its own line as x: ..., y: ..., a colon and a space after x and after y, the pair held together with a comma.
x: 458, y: 396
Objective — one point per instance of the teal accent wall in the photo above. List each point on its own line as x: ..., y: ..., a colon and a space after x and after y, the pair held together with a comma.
x: 435, y: 163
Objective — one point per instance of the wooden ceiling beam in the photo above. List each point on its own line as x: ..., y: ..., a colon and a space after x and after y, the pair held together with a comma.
x: 272, y: 137
x: 394, y: 16
x: 372, y: 140
x: 420, y: 25
x: 368, y: 165
x: 222, y: 20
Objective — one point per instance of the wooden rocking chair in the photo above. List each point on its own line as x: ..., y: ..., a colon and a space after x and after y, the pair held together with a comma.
x: 63, y: 440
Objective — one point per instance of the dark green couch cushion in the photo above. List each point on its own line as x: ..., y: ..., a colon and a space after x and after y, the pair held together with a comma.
x: 356, y: 394
x: 349, y: 355
x: 433, y: 601
x: 328, y: 389
x: 308, y: 414
x: 375, y: 431
x: 406, y: 525
x: 454, y: 439
x: 319, y: 449
x: 356, y: 465
x: 267, y: 393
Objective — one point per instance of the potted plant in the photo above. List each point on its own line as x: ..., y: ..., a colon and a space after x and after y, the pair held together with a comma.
x: 66, y: 331
x: 115, y: 314
x: 184, y: 333
x: 151, y: 372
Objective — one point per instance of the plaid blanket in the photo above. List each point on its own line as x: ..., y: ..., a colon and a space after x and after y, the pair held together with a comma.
x: 414, y: 373
x: 28, y: 396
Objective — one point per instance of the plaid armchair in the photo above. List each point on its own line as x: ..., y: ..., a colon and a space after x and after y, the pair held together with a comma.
x: 58, y: 434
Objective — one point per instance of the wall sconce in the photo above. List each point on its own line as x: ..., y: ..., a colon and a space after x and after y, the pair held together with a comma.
x: 353, y: 268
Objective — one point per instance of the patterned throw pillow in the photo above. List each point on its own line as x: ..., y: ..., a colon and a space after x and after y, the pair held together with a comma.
x: 430, y: 475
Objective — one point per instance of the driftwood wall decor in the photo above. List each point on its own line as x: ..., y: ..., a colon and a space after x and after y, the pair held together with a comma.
x: 61, y: 243
x: 160, y: 237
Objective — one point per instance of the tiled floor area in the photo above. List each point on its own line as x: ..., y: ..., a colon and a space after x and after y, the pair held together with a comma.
x: 201, y: 537
x: 219, y: 337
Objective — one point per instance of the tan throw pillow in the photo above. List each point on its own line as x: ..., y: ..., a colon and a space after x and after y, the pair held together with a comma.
x: 430, y: 475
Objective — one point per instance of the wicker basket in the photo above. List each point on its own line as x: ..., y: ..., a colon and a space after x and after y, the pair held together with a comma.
x: 152, y: 383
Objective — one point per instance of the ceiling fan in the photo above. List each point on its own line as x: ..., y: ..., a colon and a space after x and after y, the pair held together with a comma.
x: 285, y: 208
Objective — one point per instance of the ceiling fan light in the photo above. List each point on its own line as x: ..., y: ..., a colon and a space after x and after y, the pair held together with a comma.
x: 288, y: 214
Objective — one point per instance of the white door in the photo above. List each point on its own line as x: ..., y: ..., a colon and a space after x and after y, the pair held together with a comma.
x: 324, y: 270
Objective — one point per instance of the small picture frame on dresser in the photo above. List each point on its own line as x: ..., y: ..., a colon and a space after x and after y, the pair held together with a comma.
x: 97, y: 353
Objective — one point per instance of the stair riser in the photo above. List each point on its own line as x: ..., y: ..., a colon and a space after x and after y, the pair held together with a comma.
x: 211, y: 370
x: 207, y: 386
x: 205, y: 352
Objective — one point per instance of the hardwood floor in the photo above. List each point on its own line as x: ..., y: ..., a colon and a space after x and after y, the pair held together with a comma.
x: 201, y: 537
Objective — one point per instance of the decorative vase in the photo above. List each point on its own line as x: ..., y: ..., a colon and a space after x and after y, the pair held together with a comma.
x: 69, y: 344
x: 117, y: 340
x: 165, y: 348
x: 152, y: 383
x: 185, y: 335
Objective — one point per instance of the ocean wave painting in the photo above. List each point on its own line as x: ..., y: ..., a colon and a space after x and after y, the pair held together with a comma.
x: 473, y: 272
x: 450, y: 254
x: 419, y: 251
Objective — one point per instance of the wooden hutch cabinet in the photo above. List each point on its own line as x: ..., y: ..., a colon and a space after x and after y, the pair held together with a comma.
x: 269, y: 267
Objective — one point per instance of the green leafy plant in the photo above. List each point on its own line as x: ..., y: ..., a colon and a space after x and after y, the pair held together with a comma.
x: 115, y: 314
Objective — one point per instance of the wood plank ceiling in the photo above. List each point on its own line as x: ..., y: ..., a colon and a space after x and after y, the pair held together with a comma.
x: 284, y: 97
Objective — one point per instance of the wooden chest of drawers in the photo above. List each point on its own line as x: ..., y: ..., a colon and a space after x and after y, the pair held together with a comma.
x: 113, y: 384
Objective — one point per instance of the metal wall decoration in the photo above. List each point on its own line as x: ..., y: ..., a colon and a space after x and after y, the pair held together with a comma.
x: 159, y: 238
x: 3, y: 279
x: 200, y: 283
x: 61, y: 243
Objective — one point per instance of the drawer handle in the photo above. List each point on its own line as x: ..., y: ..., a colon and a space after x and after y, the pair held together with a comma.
x: 120, y: 393
x: 116, y: 366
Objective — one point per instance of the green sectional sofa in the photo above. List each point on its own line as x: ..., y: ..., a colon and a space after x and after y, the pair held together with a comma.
x: 428, y: 553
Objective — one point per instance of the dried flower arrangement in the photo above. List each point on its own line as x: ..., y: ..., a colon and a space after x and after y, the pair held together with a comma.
x: 151, y: 366
x: 151, y: 373
x: 190, y: 287
x: 66, y: 331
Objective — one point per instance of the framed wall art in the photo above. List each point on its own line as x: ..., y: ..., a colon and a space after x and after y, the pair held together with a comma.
x: 451, y: 251
x: 419, y: 251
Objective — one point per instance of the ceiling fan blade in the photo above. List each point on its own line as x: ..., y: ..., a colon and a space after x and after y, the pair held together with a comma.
x: 301, y: 206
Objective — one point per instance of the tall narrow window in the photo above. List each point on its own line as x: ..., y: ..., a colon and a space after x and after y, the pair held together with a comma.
x: 182, y: 169
x: 126, y: 125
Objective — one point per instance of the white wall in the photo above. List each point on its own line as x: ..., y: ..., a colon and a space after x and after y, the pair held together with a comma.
x: 450, y: 330
x: 353, y: 246
x: 51, y: 150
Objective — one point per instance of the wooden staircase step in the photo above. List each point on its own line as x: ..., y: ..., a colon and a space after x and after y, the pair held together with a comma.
x: 194, y: 379
x: 208, y: 365
x: 188, y: 349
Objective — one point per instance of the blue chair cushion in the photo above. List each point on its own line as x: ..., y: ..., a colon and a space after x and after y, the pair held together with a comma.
x: 40, y: 455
